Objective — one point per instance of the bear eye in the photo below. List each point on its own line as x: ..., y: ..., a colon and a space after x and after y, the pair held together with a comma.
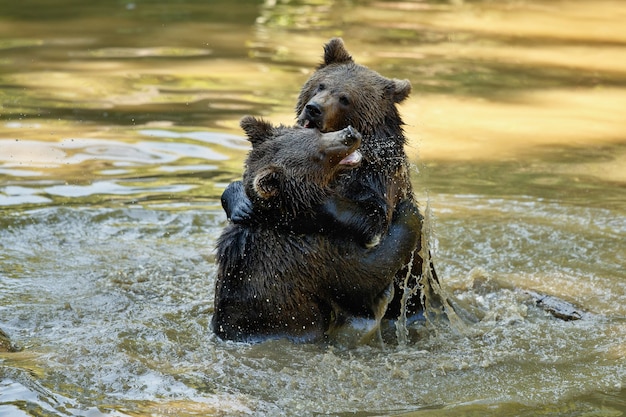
x: 321, y: 87
x: 344, y: 100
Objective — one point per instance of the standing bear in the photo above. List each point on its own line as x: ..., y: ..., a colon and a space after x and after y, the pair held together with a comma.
x: 342, y: 93
x: 273, y: 281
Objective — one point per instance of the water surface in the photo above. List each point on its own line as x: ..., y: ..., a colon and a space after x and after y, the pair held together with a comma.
x: 119, y: 131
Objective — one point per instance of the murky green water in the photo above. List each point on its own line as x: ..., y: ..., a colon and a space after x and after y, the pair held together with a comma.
x: 119, y: 131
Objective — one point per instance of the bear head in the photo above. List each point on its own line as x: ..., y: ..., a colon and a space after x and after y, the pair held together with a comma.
x: 289, y: 169
x: 343, y: 93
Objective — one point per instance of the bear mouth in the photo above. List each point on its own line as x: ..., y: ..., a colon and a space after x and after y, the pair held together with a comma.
x: 352, y: 159
x: 308, y: 124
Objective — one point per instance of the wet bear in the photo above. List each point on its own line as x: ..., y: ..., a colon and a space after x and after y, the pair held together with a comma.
x: 343, y: 93
x: 278, y: 277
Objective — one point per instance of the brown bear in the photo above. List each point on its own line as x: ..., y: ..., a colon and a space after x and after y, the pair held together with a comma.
x: 338, y: 94
x: 273, y: 281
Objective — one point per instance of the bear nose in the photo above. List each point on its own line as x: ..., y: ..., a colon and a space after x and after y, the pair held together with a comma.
x: 313, y: 110
x: 351, y: 136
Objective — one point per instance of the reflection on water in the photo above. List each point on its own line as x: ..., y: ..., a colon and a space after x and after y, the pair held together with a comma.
x: 119, y: 131
x: 156, y: 161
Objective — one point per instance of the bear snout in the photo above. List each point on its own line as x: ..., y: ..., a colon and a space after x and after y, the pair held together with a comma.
x: 350, y: 136
x: 313, y: 113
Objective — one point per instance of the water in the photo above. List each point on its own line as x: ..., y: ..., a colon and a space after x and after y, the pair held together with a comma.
x: 119, y: 131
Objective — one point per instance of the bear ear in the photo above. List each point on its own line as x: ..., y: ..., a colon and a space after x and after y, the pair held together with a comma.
x: 267, y: 182
x: 400, y: 90
x: 335, y: 53
x: 258, y: 130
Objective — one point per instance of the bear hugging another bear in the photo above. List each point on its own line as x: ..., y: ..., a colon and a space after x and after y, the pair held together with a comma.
x: 275, y: 281
x: 364, y: 199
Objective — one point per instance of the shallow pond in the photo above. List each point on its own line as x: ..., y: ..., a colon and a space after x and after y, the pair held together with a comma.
x: 119, y: 131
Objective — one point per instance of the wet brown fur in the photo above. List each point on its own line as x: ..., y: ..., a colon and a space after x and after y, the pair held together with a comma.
x: 347, y: 93
x: 273, y: 282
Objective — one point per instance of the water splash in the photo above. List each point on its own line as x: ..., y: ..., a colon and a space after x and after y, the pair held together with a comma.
x: 402, y: 332
x: 435, y: 299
